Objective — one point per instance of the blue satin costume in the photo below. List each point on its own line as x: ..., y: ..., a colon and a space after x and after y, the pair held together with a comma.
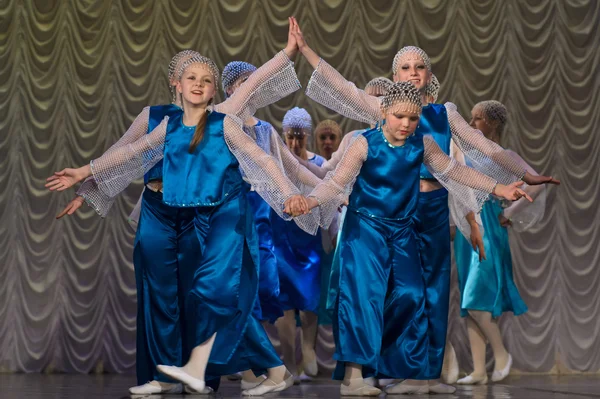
x: 380, y: 318
x: 165, y: 247
x: 433, y: 229
x: 267, y: 307
x: 298, y: 261
x: 220, y: 291
x: 487, y: 285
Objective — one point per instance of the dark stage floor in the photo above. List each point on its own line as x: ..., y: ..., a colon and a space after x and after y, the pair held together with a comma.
x: 33, y: 386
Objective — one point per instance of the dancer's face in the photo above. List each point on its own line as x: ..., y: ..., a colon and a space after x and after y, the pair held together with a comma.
x: 400, y: 123
x: 296, y: 140
x: 244, y: 77
x: 478, y: 122
x: 328, y: 141
x: 411, y: 68
x: 197, y: 85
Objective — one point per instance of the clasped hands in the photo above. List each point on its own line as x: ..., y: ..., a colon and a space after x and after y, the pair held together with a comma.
x: 298, y: 205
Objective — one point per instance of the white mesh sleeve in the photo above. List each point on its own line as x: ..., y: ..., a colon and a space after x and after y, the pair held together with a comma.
x: 329, y: 88
x: 268, y: 84
x: 523, y: 213
x: 460, y: 207
x: 337, y: 185
x: 89, y: 190
x: 485, y: 155
x: 264, y: 173
x: 457, y: 179
x: 118, y: 167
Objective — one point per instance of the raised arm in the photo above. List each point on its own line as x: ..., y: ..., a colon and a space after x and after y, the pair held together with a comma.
x: 337, y: 185
x: 264, y: 173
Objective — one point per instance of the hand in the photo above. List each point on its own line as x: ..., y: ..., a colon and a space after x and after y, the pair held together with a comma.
x: 534, y: 180
x: 299, y: 37
x: 504, y: 221
x: 292, y: 46
x: 512, y: 192
x: 295, y: 206
x: 71, y: 207
x: 66, y: 178
x: 477, y: 241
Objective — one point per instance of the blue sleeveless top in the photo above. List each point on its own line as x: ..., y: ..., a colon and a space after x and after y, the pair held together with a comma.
x: 434, y: 122
x: 388, y: 183
x: 209, y: 175
x: 157, y: 113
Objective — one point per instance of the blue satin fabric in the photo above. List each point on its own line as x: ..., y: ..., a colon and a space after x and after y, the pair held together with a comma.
x: 298, y: 262
x: 487, y: 285
x: 433, y: 230
x: 165, y: 250
x: 434, y: 122
x: 157, y: 114
x: 222, y: 287
x: 207, y: 176
x: 379, y: 304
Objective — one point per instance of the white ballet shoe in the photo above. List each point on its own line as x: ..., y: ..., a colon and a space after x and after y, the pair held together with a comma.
x: 358, y: 387
x: 206, y: 391
x: 384, y: 382
x: 179, y: 374
x: 151, y: 389
x: 406, y: 388
x: 268, y: 386
x: 451, y: 370
x: 472, y: 380
x: 234, y: 377
x: 438, y: 387
x: 370, y: 381
x: 303, y: 378
x: 311, y: 369
x: 499, y: 375
x: 252, y: 384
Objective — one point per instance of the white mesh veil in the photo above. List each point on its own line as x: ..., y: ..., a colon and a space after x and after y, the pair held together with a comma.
x: 233, y: 71
x: 378, y: 86
x: 432, y: 90
x: 297, y: 118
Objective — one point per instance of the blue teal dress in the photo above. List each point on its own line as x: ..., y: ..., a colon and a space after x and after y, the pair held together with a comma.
x: 379, y: 318
x: 433, y: 228
x: 221, y: 289
x: 298, y: 262
x: 487, y: 285
x: 267, y: 306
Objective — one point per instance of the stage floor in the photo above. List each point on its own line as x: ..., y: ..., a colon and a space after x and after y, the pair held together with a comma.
x: 34, y: 386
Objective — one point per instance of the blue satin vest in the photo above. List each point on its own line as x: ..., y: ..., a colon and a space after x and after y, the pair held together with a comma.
x: 157, y: 113
x: 434, y: 122
x: 388, y: 183
x: 209, y: 175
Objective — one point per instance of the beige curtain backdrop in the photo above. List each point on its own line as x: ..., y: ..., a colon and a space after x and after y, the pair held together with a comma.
x: 74, y: 74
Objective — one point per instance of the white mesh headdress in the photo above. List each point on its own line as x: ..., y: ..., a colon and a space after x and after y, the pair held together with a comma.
x: 493, y: 111
x: 233, y: 71
x: 199, y: 59
x: 402, y: 96
x: 410, y: 53
x: 297, y: 118
x: 379, y: 85
x: 173, y: 66
x: 433, y: 89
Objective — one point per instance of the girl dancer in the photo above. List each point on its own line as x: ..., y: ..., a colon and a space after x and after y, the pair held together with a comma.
x: 486, y: 285
x: 201, y: 171
x: 444, y: 123
x: 380, y: 323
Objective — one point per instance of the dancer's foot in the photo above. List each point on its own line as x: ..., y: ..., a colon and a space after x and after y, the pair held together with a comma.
x: 370, y: 381
x: 269, y: 385
x: 499, y: 375
x: 206, y: 391
x: 234, y: 377
x: 450, y: 370
x: 358, y: 387
x: 181, y: 374
x: 435, y: 386
x: 309, y: 363
x: 473, y: 379
x: 384, y: 382
x: 408, y: 387
x: 156, y: 387
x: 249, y: 383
